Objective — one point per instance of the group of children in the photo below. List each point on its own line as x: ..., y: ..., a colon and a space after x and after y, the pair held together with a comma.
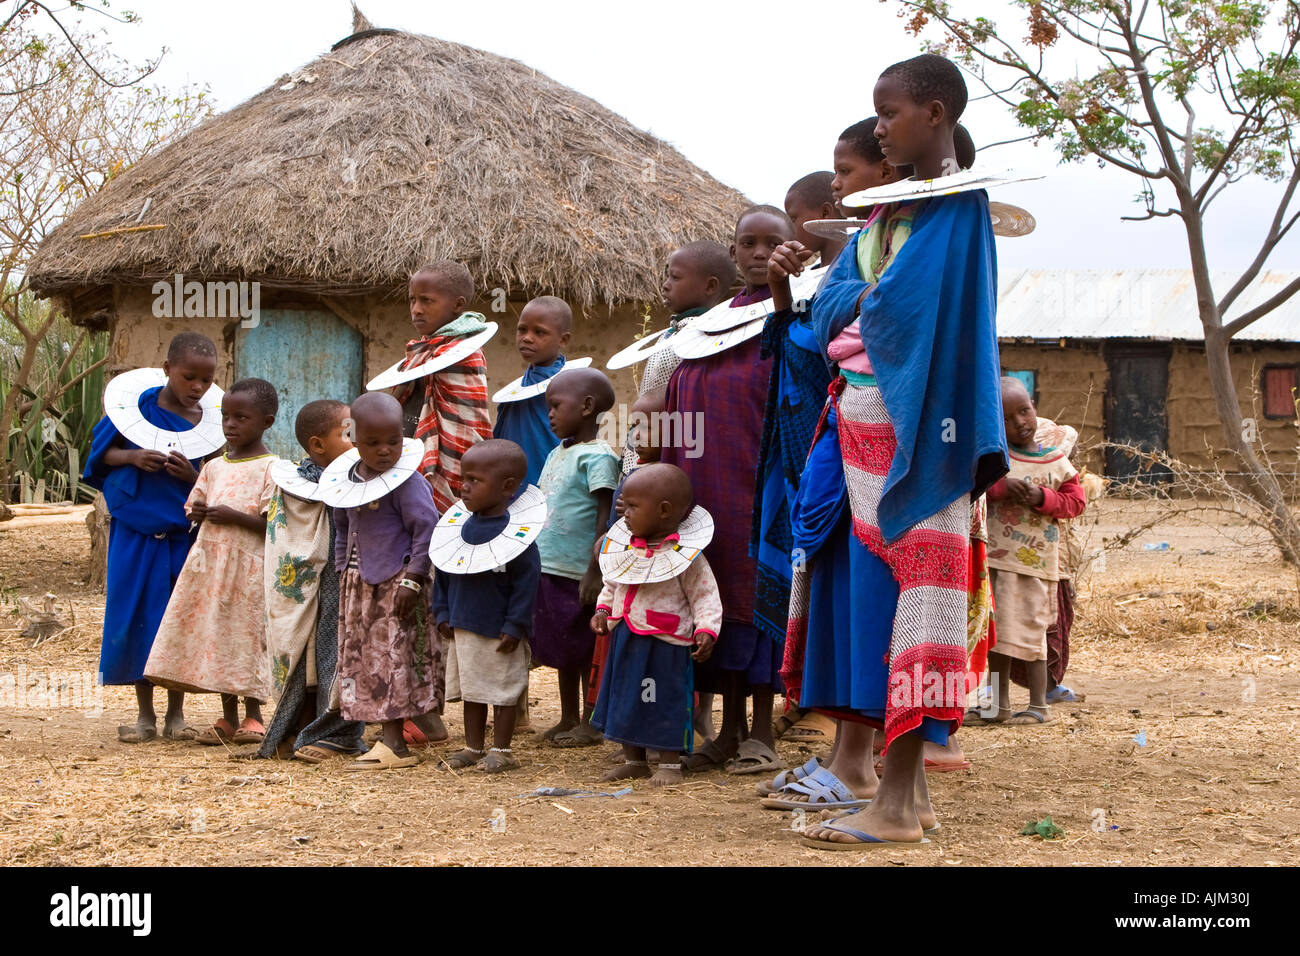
x: 829, y: 549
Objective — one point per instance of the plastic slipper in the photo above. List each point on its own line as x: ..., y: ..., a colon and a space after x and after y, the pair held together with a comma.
x: 1028, y: 718
x: 133, y: 734
x: 975, y: 718
x: 944, y: 766
x: 787, y: 720
x: 1060, y: 694
x: 583, y: 735
x: 497, y: 761
x: 250, y: 732
x: 822, y: 791
x: 787, y: 777
x: 753, y: 756
x: 709, y: 757
x: 185, y: 733
x: 381, y: 757
x: 811, y: 727
x: 865, y: 840
x: 322, y: 751
x: 221, y: 732
x: 462, y: 759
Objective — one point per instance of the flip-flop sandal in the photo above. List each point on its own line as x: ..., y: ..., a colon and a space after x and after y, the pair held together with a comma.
x: 583, y: 735
x: 865, y: 840
x: 461, y: 760
x: 320, y: 751
x: 381, y: 757
x: 1060, y: 694
x: 497, y: 761
x: 944, y: 766
x: 753, y: 756
x: 822, y: 790
x: 974, y: 718
x: 221, y: 732
x: 836, y: 814
x: 1029, y: 718
x: 787, y: 777
x: 250, y: 732
x: 811, y: 727
x: 134, y: 734
x: 708, y: 757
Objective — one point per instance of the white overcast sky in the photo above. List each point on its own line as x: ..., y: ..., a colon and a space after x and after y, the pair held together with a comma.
x: 755, y: 93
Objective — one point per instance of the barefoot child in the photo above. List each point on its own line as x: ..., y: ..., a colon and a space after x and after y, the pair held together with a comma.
x: 213, y: 636
x: 1024, y: 513
x: 920, y: 433
x: 149, y: 535
x: 486, y: 617
x: 390, y: 655
x: 545, y: 325
x: 660, y: 628
x: 302, y: 598
x: 729, y: 390
x: 578, y: 481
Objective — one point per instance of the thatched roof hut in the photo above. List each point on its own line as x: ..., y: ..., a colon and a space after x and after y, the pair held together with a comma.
x: 330, y: 187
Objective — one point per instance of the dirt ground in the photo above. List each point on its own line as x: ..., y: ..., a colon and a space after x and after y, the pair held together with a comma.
x: 1184, y: 751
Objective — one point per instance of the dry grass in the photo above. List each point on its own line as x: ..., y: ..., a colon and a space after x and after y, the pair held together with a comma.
x: 388, y: 152
x: 1213, y: 785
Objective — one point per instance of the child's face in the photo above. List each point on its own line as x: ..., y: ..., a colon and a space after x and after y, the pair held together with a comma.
x: 1019, y: 416
x: 538, y: 336
x: 757, y: 236
x: 854, y: 173
x: 190, y: 377
x: 647, y: 515
x: 485, y: 486
x: 241, y: 421
x: 800, y: 212
x: 378, y: 441
x: 432, y: 306
x: 905, y: 129
x: 646, y: 432
x: 323, y: 449
x: 568, y: 410
x: 686, y: 286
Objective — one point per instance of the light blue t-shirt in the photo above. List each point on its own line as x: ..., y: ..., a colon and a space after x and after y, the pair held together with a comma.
x: 569, y: 478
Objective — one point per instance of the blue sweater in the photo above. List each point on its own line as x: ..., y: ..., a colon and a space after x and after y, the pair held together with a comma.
x: 490, y: 603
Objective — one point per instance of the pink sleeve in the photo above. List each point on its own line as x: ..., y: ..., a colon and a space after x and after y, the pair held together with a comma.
x: 1065, y: 502
x: 998, y: 490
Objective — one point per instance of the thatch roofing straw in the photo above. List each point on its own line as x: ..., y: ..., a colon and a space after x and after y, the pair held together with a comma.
x: 392, y: 150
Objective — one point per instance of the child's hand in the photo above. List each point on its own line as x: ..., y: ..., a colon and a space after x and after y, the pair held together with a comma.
x: 703, y: 647
x: 787, y: 260
x: 405, y: 602
x: 178, y: 466
x: 223, y: 514
x: 600, y: 622
x: 589, y: 586
x: 619, y: 506
x: 507, y: 644
x: 446, y: 632
x: 197, y: 512
x: 147, y: 460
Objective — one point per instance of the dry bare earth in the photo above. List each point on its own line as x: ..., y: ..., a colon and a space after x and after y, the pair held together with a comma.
x: 1197, y: 650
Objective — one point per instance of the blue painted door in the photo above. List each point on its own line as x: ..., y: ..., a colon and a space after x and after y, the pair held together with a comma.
x: 307, y: 355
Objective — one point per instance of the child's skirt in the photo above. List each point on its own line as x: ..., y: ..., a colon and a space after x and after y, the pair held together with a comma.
x: 480, y: 674
x: 647, y: 693
x: 1023, y: 611
x: 562, y: 634
x: 389, y: 669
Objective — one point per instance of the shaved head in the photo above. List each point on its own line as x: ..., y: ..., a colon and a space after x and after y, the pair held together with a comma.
x: 377, y: 409
x: 500, y: 455
x: 663, y: 482
x: 585, y: 382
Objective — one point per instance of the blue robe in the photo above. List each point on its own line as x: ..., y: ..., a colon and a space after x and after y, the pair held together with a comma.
x: 148, y: 539
x: 527, y: 423
x: 933, y: 310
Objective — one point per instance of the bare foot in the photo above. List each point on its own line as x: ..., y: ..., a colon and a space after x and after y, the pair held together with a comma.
x: 667, y: 775
x: 871, y: 820
x: 633, y: 770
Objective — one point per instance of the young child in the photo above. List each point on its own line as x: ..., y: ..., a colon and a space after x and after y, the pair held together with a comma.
x: 485, y: 618
x: 656, y: 627
x: 212, y: 638
x: 920, y: 433
x: 149, y: 536
x: 730, y: 389
x: 390, y: 655
x: 545, y: 325
x: 1024, y: 514
x: 448, y: 410
x: 302, y: 601
x: 578, y: 481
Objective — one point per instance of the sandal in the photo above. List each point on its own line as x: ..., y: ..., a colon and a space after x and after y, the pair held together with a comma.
x: 787, y: 720
x: 753, y: 756
x: 321, y: 751
x: 583, y: 735
x: 822, y: 790
x: 463, y: 759
x: 709, y: 757
x: 787, y: 777
x: 864, y: 840
x: 1030, y: 717
x: 381, y: 757
x: 250, y: 732
x: 812, y: 727
x: 1060, y: 694
x: 185, y: 732
x: 975, y: 718
x: 136, y: 733
x: 498, y: 760
x: 221, y: 732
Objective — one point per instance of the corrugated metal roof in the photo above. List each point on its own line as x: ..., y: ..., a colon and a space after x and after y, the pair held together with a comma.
x: 1132, y: 303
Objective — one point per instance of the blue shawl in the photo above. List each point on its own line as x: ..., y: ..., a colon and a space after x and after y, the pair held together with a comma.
x: 527, y: 424
x: 928, y: 328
